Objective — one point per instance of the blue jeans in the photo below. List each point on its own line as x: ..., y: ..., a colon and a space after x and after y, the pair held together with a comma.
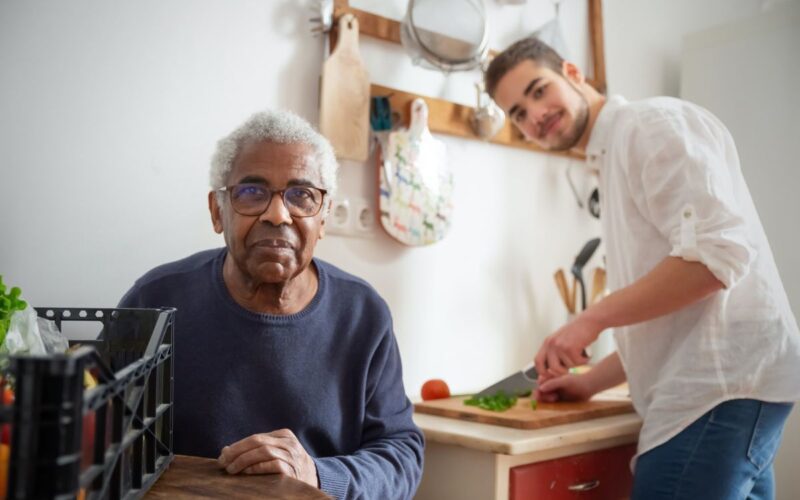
x: 725, y: 454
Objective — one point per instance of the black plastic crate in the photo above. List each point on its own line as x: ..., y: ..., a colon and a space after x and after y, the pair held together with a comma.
x: 126, y: 418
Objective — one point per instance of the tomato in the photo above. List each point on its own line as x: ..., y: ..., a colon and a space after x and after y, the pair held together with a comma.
x: 435, y: 389
x: 8, y: 396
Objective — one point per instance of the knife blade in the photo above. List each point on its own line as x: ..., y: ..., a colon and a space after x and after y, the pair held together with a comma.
x: 520, y: 382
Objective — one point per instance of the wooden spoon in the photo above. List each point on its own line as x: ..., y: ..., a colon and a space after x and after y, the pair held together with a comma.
x: 561, y: 283
x: 598, y: 284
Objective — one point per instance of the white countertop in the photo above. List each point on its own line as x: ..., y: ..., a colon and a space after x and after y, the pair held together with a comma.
x: 510, y: 441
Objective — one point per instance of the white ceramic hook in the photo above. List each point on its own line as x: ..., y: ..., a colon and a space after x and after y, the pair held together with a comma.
x: 419, y: 117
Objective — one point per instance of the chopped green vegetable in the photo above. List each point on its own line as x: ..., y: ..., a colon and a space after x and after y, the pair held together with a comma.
x: 534, y: 404
x: 9, y: 304
x: 499, y: 402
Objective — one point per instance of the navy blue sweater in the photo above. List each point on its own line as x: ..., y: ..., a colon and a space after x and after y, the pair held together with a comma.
x: 330, y: 373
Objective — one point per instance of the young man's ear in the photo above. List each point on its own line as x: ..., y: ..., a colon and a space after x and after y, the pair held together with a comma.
x: 216, y: 211
x: 572, y: 73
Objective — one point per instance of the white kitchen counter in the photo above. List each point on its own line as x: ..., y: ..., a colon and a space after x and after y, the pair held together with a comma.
x: 510, y: 441
x: 470, y: 460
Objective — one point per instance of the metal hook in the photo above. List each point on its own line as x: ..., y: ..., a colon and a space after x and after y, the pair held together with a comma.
x: 323, y: 21
x: 593, y: 203
x: 572, y: 185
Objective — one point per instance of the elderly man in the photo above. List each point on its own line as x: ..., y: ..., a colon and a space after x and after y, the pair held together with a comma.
x: 284, y: 364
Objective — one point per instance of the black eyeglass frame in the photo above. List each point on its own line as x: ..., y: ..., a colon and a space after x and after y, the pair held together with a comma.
x: 227, y: 189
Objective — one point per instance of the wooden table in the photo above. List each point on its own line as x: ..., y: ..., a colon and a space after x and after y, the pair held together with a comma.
x: 195, y: 477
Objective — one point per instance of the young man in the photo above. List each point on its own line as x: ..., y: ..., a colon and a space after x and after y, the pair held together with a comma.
x: 704, y: 331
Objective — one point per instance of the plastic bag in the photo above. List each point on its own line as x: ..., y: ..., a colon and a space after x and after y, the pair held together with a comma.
x: 54, y: 341
x: 29, y: 334
x: 23, y: 334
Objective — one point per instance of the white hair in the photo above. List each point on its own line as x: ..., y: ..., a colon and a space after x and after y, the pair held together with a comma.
x: 282, y: 127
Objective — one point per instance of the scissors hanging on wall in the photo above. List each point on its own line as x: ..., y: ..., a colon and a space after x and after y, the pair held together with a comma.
x: 592, y: 201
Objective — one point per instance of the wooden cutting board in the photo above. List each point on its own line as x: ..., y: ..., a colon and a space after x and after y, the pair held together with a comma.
x: 415, y: 183
x: 344, y: 95
x: 522, y: 416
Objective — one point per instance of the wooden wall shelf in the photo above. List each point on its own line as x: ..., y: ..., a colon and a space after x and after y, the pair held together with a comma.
x: 454, y: 119
x: 369, y: 24
x: 449, y: 118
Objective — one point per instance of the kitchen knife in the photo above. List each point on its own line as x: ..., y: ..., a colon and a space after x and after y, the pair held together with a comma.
x: 521, y: 382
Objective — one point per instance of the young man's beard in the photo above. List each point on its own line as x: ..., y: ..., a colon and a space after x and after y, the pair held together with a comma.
x: 581, y: 120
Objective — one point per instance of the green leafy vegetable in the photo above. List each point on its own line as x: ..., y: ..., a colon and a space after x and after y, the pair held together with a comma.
x: 9, y: 304
x: 499, y: 402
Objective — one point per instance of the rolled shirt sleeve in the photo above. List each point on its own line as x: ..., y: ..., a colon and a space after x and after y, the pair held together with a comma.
x: 685, y: 189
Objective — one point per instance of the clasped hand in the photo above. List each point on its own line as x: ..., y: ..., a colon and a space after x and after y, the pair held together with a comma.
x: 277, y: 452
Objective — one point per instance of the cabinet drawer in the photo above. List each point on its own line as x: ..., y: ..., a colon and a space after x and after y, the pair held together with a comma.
x: 601, y: 475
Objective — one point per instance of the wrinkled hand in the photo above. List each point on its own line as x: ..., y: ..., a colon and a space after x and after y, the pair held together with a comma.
x: 277, y: 452
x: 568, y: 387
x: 566, y: 348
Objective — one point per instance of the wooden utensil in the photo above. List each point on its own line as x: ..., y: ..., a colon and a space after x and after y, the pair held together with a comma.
x: 522, y: 416
x: 573, y: 296
x: 598, y: 284
x: 561, y: 284
x: 344, y: 95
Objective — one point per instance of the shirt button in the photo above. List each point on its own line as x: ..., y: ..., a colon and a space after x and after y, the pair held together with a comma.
x: 687, y: 214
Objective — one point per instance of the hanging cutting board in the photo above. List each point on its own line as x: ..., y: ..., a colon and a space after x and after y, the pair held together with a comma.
x: 344, y: 95
x: 415, y: 182
x: 522, y: 416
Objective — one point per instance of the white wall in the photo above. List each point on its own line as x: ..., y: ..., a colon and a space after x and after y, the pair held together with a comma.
x: 748, y: 73
x: 643, y: 39
x: 110, y: 112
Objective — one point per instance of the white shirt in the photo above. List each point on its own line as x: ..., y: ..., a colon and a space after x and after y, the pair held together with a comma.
x: 671, y: 185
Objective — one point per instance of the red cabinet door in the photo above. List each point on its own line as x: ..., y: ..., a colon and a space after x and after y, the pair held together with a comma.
x: 598, y: 475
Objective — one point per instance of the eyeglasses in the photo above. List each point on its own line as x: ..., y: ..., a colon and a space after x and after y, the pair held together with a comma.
x: 254, y: 199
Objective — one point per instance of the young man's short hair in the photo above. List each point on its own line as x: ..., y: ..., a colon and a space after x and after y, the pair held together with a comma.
x: 530, y: 48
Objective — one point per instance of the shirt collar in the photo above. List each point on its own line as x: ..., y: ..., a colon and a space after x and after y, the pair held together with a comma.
x: 601, y: 131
